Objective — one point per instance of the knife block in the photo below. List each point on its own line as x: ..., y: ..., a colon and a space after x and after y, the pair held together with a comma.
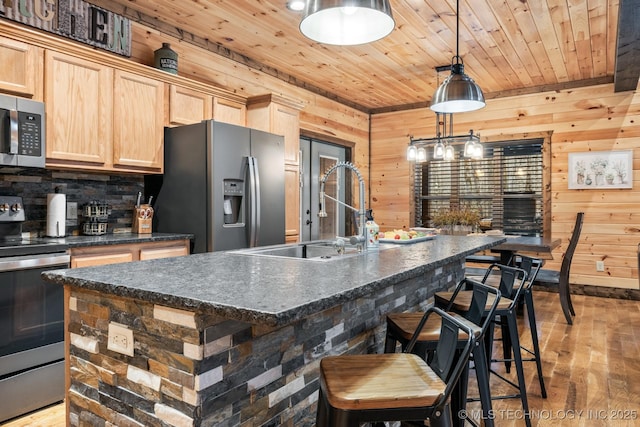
x: 142, y: 216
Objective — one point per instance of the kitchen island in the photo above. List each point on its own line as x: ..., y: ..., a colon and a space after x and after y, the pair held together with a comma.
x: 233, y: 339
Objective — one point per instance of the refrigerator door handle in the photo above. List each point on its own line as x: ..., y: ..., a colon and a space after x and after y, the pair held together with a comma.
x: 254, y: 199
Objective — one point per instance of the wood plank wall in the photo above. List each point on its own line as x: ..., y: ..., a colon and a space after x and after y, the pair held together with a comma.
x: 585, y: 119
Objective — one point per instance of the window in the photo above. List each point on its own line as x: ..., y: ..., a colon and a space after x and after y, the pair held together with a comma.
x: 505, y: 186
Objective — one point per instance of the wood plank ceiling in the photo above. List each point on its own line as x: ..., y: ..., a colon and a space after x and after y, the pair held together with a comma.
x: 508, y: 46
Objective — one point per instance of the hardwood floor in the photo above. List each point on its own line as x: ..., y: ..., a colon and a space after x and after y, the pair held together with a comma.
x: 591, y: 369
x: 51, y: 416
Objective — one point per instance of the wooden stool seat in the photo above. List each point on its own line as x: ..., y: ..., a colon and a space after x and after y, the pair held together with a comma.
x: 404, y: 325
x: 370, y: 381
x: 358, y: 388
x: 463, y: 300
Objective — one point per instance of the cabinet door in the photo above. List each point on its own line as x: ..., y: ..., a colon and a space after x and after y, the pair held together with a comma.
x: 138, y: 119
x: 188, y: 106
x: 286, y: 121
x: 21, y: 67
x: 164, y: 252
x: 292, y: 203
x: 78, y: 102
x: 228, y: 111
x: 93, y: 260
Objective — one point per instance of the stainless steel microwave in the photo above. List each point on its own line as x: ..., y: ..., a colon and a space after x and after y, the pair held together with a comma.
x: 22, y: 132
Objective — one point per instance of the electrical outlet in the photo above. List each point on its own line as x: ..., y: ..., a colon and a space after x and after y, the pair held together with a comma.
x: 120, y: 339
x: 72, y: 210
x: 599, y: 265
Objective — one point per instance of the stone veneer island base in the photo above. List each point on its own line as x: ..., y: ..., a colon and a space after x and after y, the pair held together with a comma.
x: 223, y: 339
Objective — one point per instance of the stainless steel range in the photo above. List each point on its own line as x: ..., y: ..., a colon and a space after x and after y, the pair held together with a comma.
x: 31, y: 317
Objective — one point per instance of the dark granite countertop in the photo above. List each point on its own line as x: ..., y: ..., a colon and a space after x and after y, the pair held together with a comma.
x: 114, y: 239
x: 46, y: 245
x: 268, y: 290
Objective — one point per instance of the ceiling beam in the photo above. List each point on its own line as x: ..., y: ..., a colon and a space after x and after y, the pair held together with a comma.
x: 627, y: 70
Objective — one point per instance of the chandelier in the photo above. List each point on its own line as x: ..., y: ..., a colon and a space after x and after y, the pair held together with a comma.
x: 444, y: 142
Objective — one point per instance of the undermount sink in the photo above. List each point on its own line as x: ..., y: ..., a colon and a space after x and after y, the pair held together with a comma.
x: 319, y: 250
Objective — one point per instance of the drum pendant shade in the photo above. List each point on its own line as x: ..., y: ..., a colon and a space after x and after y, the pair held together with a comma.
x: 347, y: 22
x: 458, y: 93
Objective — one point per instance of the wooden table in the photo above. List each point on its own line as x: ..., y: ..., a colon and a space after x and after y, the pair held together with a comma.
x: 525, y: 244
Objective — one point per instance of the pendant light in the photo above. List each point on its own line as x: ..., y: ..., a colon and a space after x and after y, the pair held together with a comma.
x: 458, y: 93
x: 347, y: 22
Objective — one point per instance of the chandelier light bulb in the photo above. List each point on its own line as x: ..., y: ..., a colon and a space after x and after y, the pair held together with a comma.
x: 449, y: 153
x: 412, y: 153
x: 422, y: 155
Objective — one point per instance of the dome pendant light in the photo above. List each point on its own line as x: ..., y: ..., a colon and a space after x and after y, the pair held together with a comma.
x: 347, y: 22
x: 458, y: 93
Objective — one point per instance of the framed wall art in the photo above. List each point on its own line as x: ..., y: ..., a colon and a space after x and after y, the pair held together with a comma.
x: 600, y: 170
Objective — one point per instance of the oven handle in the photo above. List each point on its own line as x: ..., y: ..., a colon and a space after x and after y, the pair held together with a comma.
x: 34, y: 261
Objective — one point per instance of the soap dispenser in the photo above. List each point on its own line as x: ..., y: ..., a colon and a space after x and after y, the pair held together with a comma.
x: 372, y: 230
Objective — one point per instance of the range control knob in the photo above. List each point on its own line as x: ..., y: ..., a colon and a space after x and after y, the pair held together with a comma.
x: 4, y: 207
x: 16, y: 207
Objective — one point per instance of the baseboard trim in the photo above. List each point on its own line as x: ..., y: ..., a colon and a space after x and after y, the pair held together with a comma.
x: 594, y: 291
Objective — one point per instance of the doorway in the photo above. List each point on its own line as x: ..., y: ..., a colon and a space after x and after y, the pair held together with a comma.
x: 316, y: 158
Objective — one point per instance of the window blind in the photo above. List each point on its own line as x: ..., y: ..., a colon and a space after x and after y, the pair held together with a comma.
x: 505, y: 186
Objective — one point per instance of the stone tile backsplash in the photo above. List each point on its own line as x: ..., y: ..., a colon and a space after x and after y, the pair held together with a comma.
x: 33, y: 185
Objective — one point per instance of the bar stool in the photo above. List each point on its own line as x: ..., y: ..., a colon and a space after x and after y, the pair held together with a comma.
x: 531, y: 266
x: 512, y: 281
x: 395, y: 387
x: 400, y: 328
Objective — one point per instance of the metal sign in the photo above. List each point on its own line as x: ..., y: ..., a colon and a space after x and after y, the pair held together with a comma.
x: 74, y: 19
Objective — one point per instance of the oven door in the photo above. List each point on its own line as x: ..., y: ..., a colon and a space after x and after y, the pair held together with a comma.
x: 31, y: 334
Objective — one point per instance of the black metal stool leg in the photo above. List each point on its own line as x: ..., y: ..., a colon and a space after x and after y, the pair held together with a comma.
x: 482, y: 376
x: 515, y: 341
x: 528, y: 298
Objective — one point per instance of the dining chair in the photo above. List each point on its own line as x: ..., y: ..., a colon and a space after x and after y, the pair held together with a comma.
x: 560, y: 278
x: 401, y: 326
x: 359, y: 388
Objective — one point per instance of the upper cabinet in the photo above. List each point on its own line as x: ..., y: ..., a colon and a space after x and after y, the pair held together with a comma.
x: 188, y: 106
x: 101, y: 119
x: 279, y: 115
x: 79, y: 104
x: 104, y: 112
x: 228, y: 111
x: 138, y: 122
x: 21, y: 71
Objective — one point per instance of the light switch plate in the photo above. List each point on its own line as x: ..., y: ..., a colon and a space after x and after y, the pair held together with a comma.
x: 599, y: 265
x: 120, y: 339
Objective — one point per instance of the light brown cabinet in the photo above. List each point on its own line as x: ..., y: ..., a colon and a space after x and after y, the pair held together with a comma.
x: 102, y: 119
x: 228, y: 111
x: 279, y: 115
x: 100, y: 259
x: 112, y: 254
x: 187, y: 106
x: 78, y: 102
x: 138, y: 122
x: 167, y: 252
x: 21, y: 71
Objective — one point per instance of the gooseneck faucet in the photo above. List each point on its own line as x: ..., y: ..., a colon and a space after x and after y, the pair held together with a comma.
x: 361, y: 238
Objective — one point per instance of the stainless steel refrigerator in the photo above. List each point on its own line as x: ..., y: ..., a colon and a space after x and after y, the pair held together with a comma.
x: 224, y: 184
